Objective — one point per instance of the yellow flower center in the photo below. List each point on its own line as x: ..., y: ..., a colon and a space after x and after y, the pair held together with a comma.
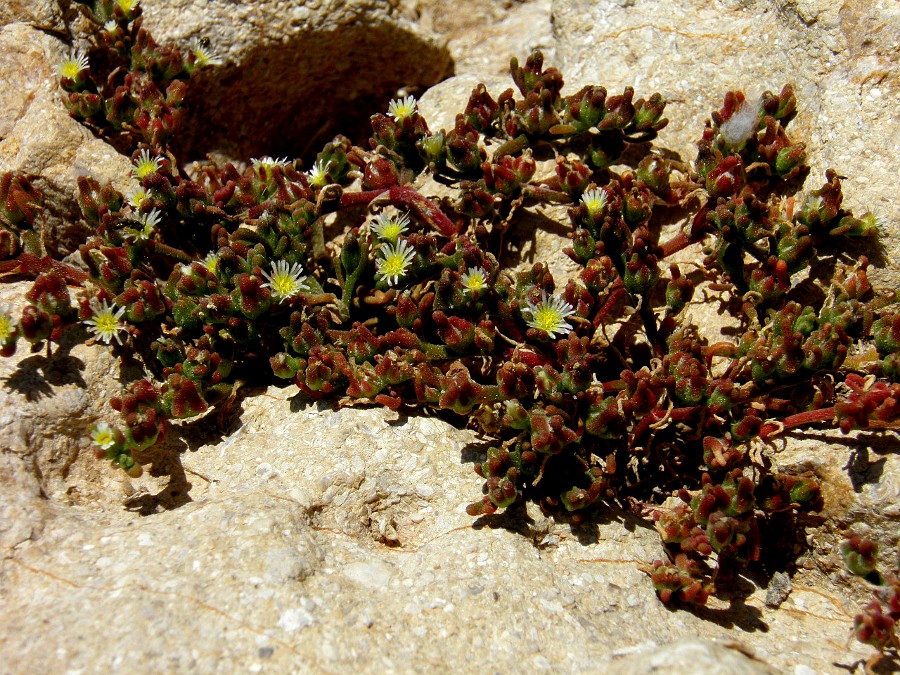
x: 392, y: 230
x: 211, y: 262
x: 145, y: 168
x: 394, y: 265
x: 283, y: 283
x: 106, y: 323
x: 547, y: 319
x: 475, y: 281
x: 70, y: 69
x: 6, y: 327
x: 104, y: 437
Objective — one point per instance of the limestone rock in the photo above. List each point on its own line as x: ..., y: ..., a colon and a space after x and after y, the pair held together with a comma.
x: 319, y: 539
x: 691, y: 656
x: 336, y: 540
x: 39, y: 139
x: 295, y: 74
x: 46, y: 15
x: 482, y: 35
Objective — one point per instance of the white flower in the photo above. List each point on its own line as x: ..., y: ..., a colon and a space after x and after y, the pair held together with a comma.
x: 318, y: 176
x: 111, y: 26
x: 128, y: 6
x: 812, y: 203
x: 394, y: 262
x: 145, y: 165
x: 433, y: 145
x: 103, y: 435
x: 106, y: 323
x: 73, y: 66
x: 284, y: 281
x: 389, y: 228
x: 401, y: 108
x: 136, y: 196
x: 147, y: 222
x: 550, y: 314
x: 474, y: 281
x: 204, y: 55
x: 7, y: 325
x: 211, y: 262
x: 873, y: 224
x: 594, y: 201
x: 268, y: 162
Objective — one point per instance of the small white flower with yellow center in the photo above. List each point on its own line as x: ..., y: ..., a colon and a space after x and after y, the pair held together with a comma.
x: 106, y: 323
x: 317, y: 175
x: 389, y: 228
x: 204, y: 55
x: 433, y: 145
x: 812, y: 203
x: 594, y: 201
x: 103, y: 435
x: 7, y: 325
x: 73, y: 66
x: 474, y: 281
x: 401, y: 108
x: 111, y: 26
x: 394, y: 262
x: 147, y: 222
x: 285, y: 281
x: 872, y: 225
x: 211, y: 262
x: 145, y: 165
x: 550, y: 314
x: 136, y: 196
x: 268, y: 163
x: 128, y: 6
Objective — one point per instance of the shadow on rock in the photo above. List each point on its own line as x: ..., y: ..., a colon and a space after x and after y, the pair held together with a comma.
x: 737, y: 615
x: 36, y: 376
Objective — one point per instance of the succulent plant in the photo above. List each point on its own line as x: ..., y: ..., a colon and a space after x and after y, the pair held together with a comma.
x: 221, y: 275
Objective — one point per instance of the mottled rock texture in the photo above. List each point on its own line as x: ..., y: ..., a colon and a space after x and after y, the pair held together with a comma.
x: 39, y: 139
x: 295, y: 73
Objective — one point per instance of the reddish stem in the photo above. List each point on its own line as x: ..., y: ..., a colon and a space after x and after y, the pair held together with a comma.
x: 614, y: 385
x: 615, y: 296
x: 405, y: 197
x: 30, y: 265
x: 678, y: 242
x: 423, y: 209
x: 349, y: 199
x: 798, y: 420
x: 654, y: 416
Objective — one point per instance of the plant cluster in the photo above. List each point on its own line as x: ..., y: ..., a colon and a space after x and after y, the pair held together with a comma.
x: 876, y: 624
x: 353, y: 282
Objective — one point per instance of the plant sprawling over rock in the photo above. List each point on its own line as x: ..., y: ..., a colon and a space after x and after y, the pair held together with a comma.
x: 354, y: 281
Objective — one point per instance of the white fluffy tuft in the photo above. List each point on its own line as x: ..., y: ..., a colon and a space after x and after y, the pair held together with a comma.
x: 741, y: 125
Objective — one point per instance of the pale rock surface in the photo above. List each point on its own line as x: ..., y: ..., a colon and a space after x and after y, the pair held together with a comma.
x: 295, y: 73
x: 304, y: 539
x: 39, y: 139
x: 333, y: 540
x: 482, y: 35
x: 687, y: 657
x: 46, y: 15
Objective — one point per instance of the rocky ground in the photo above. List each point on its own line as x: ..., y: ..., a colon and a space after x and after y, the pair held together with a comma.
x: 290, y: 537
